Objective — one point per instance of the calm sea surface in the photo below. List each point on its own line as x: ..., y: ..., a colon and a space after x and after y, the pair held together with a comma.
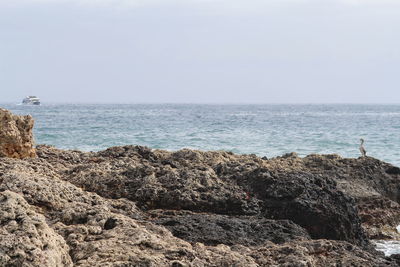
x: 265, y: 130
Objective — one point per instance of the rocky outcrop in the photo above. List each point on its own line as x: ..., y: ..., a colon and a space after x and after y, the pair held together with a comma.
x: 220, y: 183
x: 25, y: 237
x: 213, y: 229
x: 16, y: 138
x: 380, y: 217
x: 133, y: 206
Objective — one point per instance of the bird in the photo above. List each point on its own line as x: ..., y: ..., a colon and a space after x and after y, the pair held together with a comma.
x: 362, y: 149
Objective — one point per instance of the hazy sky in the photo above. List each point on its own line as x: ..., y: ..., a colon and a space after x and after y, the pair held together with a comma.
x: 200, y: 51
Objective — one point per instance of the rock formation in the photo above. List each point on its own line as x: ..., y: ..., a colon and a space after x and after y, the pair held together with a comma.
x: 25, y: 237
x: 221, y: 183
x: 16, y: 138
x: 213, y: 229
x: 134, y: 206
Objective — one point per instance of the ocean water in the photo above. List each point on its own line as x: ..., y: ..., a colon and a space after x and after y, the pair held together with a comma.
x: 265, y: 130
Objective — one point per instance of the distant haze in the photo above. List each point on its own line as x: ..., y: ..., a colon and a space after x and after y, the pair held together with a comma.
x: 200, y: 51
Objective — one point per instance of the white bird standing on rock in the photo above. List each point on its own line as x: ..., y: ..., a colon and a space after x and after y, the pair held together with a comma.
x: 362, y: 149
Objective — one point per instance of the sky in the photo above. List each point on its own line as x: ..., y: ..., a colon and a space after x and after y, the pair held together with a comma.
x: 200, y: 51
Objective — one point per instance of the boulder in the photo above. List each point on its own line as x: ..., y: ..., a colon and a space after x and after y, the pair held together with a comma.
x: 16, y: 138
x: 308, y: 200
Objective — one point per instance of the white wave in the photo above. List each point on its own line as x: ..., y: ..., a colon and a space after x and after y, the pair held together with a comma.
x: 389, y: 247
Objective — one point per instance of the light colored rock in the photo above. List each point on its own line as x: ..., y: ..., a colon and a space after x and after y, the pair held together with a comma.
x: 16, y: 138
x: 25, y: 238
x: 83, y: 220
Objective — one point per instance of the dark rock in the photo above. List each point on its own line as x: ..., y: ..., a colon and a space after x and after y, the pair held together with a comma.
x: 395, y: 258
x: 221, y: 183
x: 372, y: 175
x: 310, y: 201
x: 380, y: 216
x: 110, y: 224
x: 212, y: 229
x: 393, y: 170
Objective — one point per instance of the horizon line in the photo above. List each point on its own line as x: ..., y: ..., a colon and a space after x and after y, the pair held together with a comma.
x: 210, y: 103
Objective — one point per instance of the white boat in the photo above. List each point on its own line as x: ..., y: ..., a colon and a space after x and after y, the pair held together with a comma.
x: 31, y: 100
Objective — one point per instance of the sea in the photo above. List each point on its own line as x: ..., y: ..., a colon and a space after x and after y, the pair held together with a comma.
x: 265, y: 130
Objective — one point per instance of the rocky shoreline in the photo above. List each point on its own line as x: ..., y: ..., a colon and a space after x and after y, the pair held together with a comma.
x: 136, y: 206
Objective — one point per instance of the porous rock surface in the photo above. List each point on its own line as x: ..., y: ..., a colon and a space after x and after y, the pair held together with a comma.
x: 16, y: 138
x: 25, y: 237
x: 380, y: 217
x: 213, y: 229
x: 222, y: 183
x: 134, y: 206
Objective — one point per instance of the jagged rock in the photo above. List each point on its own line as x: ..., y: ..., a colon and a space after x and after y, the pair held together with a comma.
x: 221, y: 183
x: 380, y: 217
x: 133, y: 206
x: 16, y: 138
x: 104, y: 232
x: 317, y: 253
x: 212, y: 229
x: 395, y: 258
x: 25, y: 237
x: 360, y: 178
x: 310, y: 201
